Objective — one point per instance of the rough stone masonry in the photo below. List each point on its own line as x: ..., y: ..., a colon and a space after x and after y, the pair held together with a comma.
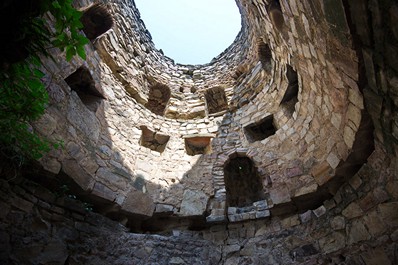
x: 281, y: 150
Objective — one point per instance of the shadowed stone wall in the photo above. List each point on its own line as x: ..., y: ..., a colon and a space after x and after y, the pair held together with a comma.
x: 323, y: 200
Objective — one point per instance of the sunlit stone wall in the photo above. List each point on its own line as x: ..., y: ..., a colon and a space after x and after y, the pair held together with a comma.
x: 132, y: 151
x: 293, y: 117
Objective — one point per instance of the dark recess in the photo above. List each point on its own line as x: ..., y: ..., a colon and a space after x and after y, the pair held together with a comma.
x: 260, y: 130
x: 96, y: 21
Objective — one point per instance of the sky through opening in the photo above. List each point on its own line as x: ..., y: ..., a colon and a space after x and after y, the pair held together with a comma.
x: 191, y: 31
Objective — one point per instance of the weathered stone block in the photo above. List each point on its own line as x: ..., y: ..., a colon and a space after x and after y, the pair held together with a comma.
x: 290, y: 221
x: 248, y: 250
x: 292, y: 172
x: 176, y: 261
x: 105, y: 152
x: 357, y: 232
x: 336, y: 120
x: 261, y: 205
x: 321, y: 210
x: 354, y: 115
x: 140, y: 203
x: 355, y: 182
x: 306, y: 189
x: 112, y: 180
x: 164, y: 208
x: 194, y: 202
x: 216, y: 218
x: 51, y: 164
x: 355, y: 97
x: 389, y: 213
x: 337, y: 223
x: 332, y: 242
x: 232, y: 210
x: 305, y: 217
x: 263, y: 214
x: 392, y: 188
x: 46, y: 125
x: 78, y: 174
x: 89, y: 164
x: 322, y: 173
x: 375, y: 257
x: 374, y: 224
x: 230, y: 249
x: 104, y: 192
x: 82, y: 118
x: 353, y: 210
x: 235, y: 218
x: 279, y: 195
x: 349, y: 136
x: 367, y: 202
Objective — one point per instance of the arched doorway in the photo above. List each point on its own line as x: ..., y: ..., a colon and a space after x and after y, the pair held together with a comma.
x: 242, y: 183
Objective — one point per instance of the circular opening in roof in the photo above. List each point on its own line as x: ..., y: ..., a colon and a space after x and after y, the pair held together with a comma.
x: 191, y: 31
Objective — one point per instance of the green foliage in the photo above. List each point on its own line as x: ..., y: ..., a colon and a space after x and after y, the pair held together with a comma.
x: 23, y: 97
x: 67, y: 25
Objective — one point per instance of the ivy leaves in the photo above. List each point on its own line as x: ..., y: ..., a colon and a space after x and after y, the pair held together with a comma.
x: 67, y: 25
x: 23, y: 98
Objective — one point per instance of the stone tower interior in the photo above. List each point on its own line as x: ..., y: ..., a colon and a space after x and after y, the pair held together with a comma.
x: 281, y: 150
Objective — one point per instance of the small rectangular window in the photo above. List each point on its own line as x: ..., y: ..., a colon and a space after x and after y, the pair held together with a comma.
x: 260, y: 130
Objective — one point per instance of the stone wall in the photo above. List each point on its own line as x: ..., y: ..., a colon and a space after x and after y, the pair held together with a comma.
x: 122, y: 161
x: 41, y: 227
x: 327, y: 187
x: 359, y: 225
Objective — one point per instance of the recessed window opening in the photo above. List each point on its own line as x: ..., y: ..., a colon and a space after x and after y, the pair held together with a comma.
x: 158, y: 98
x: 153, y: 140
x: 216, y: 100
x: 260, y: 130
x: 276, y: 15
x: 96, y: 21
x: 242, y: 182
x: 83, y: 84
x: 194, y: 31
x: 265, y: 55
x: 198, y: 145
x: 290, y: 99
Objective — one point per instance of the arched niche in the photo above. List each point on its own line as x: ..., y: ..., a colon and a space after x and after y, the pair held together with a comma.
x: 290, y: 99
x: 265, y: 55
x: 276, y: 15
x: 96, y: 21
x: 216, y: 100
x: 242, y: 182
x: 159, y: 96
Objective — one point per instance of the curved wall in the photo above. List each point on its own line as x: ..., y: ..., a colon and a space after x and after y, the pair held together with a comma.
x: 127, y: 153
x: 322, y: 200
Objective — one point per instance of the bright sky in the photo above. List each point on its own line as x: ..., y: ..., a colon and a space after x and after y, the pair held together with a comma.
x: 191, y: 31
